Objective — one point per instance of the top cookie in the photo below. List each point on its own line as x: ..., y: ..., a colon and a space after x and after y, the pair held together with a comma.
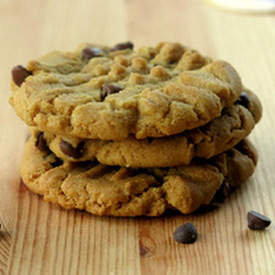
x: 111, y: 93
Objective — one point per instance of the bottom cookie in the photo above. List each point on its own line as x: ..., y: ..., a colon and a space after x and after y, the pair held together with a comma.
x: 119, y: 191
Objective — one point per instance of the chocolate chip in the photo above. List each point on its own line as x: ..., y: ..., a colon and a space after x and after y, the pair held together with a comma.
x: 57, y: 162
x: 89, y: 53
x: 41, y: 143
x: 19, y: 74
x: 69, y: 150
x: 173, y: 61
x: 186, y: 233
x: 123, y: 46
x: 257, y: 221
x: 243, y: 100
x: 108, y: 89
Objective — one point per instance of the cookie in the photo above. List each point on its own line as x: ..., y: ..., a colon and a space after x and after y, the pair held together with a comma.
x: 117, y: 191
x: 219, y: 135
x: 106, y: 93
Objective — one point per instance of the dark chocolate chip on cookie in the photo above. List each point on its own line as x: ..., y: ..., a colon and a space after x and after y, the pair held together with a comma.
x: 69, y: 150
x: 123, y: 46
x: 89, y: 53
x: 243, y: 100
x: 41, y: 143
x: 19, y: 74
x: 108, y: 89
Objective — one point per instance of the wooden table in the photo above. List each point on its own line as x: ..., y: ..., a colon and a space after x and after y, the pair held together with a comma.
x: 39, y: 238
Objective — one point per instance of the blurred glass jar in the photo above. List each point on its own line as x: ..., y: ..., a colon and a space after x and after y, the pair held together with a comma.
x: 246, y: 5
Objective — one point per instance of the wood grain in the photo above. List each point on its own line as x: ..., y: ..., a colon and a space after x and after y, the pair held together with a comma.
x: 39, y: 238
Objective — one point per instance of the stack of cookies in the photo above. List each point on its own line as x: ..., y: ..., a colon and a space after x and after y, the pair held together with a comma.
x: 124, y: 132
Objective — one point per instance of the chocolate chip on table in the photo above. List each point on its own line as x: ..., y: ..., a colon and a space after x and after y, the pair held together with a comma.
x: 69, y: 150
x: 108, y: 89
x: 186, y: 233
x: 19, y: 74
x: 257, y: 221
x: 89, y: 53
x: 123, y: 46
x: 41, y: 143
x: 243, y: 100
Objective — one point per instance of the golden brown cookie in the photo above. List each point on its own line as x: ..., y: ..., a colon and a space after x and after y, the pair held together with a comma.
x: 117, y: 191
x: 219, y: 135
x: 99, y: 92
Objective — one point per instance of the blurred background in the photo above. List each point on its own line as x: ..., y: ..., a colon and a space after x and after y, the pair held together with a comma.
x: 29, y: 28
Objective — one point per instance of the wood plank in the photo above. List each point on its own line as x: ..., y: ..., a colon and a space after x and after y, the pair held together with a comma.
x: 5, y: 244
x: 40, y: 238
